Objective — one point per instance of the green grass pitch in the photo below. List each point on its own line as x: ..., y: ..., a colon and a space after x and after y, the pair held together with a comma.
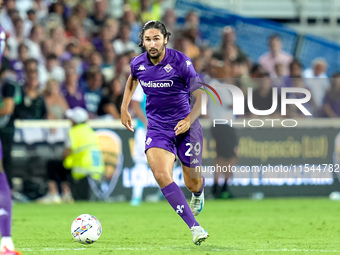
x: 269, y: 226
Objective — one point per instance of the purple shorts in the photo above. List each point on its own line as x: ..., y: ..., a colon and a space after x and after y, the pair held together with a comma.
x: 187, y: 147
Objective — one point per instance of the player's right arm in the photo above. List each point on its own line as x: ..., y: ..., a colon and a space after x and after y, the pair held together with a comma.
x: 130, y: 88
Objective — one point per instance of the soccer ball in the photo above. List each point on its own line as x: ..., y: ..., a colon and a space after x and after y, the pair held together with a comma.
x: 86, y: 229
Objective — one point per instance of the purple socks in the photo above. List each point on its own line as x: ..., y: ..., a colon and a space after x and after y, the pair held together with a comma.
x: 5, y: 207
x: 177, y: 200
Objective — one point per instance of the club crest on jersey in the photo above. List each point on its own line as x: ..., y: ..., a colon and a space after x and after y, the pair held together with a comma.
x: 168, y: 68
x: 142, y: 68
x: 188, y: 63
x: 148, y: 141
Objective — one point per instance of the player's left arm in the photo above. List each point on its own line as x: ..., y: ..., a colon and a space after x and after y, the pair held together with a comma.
x: 183, y: 125
x: 193, y: 81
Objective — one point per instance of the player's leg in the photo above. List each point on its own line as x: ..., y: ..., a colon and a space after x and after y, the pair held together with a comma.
x: 225, y: 192
x: 195, y: 183
x: 189, y: 146
x: 5, y: 211
x: 161, y: 162
x: 65, y: 180
x: 53, y: 172
x: 6, y: 246
x: 226, y: 145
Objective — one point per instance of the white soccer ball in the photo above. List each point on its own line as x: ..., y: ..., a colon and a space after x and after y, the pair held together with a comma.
x: 86, y: 229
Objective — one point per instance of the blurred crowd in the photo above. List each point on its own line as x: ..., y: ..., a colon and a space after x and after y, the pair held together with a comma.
x: 63, y: 54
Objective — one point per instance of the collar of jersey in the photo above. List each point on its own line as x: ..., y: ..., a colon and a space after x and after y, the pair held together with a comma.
x: 162, y: 63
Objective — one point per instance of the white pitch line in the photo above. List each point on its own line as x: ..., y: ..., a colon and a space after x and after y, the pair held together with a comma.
x: 184, y: 249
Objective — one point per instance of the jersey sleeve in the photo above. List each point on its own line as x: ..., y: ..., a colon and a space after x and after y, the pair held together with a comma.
x: 189, y: 74
x: 132, y: 67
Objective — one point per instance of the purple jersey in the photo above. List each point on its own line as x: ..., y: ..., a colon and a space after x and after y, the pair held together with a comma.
x: 167, y: 86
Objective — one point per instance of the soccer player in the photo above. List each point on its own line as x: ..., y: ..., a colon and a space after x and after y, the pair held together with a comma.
x: 166, y: 77
x: 6, y: 246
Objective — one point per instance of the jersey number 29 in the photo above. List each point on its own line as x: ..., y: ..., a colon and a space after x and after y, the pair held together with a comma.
x: 196, y: 147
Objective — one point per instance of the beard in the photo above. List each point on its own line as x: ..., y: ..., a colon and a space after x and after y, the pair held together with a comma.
x: 158, y: 54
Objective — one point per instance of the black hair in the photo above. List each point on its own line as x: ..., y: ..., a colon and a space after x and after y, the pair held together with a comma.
x: 51, y: 56
x: 30, y: 11
x: 153, y: 24
x: 295, y: 62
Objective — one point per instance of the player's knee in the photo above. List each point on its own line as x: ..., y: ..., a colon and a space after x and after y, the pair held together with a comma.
x: 161, y: 176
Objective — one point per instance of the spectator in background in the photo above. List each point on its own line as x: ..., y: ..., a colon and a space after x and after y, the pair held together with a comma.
x: 55, y: 102
x: 263, y: 96
x: 275, y: 55
x: 100, y: 14
x: 60, y: 9
x: 129, y: 17
x: 110, y: 104
x: 29, y: 22
x: 278, y: 79
x: 123, y: 44
x: 14, y: 41
x: 93, y: 90
x: 40, y: 9
x: 113, y: 26
x: 150, y: 10
x: 104, y: 37
x: 33, y: 42
x: 32, y: 105
x: 17, y: 65
x: 58, y: 41
x: 94, y: 61
x: 72, y: 24
x: 122, y: 70
x: 80, y: 11
x: 74, y: 95
x: 199, y: 66
x: 331, y: 102
x: 32, y: 64
x: 54, y: 17
x: 240, y: 73
x: 81, y: 155
x: 229, y: 51
x: 316, y: 80
x: 295, y: 70
x: 54, y: 71
x: 109, y: 58
x: 192, y: 19
x: 169, y: 19
x: 293, y: 111
x: 189, y: 47
x: 6, y: 16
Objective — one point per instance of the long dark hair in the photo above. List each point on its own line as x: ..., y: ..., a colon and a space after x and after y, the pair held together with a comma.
x: 153, y: 24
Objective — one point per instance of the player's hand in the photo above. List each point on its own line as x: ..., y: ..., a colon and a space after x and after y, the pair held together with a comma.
x: 182, y: 126
x: 126, y: 120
